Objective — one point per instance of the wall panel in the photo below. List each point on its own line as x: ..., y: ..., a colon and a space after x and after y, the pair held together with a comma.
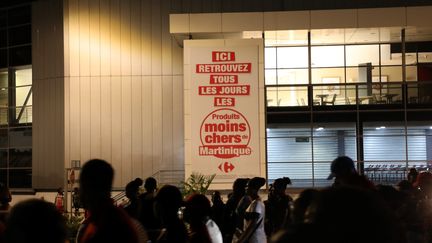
x: 119, y: 99
x: 125, y: 37
x: 166, y: 39
x: 135, y: 37
x: 84, y: 38
x: 94, y: 25
x: 95, y: 117
x: 167, y: 122
x: 115, y: 39
x: 147, y: 127
x: 74, y: 37
x: 178, y: 122
x: 146, y: 37
x: 156, y: 36
x: 85, y: 116
x: 105, y: 37
x: 136, y: 127
x: 106, y: 118
x: 116, y: 128
x: 126, y: 132
x: 157, y: 123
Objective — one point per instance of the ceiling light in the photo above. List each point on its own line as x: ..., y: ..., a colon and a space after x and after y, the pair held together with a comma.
x: 320, y: 128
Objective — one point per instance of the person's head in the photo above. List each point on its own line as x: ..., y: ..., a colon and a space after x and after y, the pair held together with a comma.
x: 150, y: 184
x: 197, y: 208
x: 216, y: 197
x: 35, y: 220
x: 132, y: 189
x: 168, y: 200
x: 60, y: 190
x: 96, y: 179
x: 254, y: 185
x: 280, y: 184
x: 341, y: 167
x: 239, y: 186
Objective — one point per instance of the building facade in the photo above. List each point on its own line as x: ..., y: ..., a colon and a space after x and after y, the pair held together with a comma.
x: 107, y: 82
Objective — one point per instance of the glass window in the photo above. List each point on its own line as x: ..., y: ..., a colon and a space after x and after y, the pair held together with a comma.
x: 293, y: 76
x: 21, y: 157
x: 23, y: 77
x: 292, y: 96
x: 20, y: 55
x: 328, y: 75
x: 19, y: 35
x: 20, y: 137
x: 425, y: 57
x: 3, y: 158
x: 4, y: 138
x: 3, y: 176
x: 286, y: 38
x: 360, y: 54
x: 270, y: 57
x: 327, y: 56
x: 3, y: 38
x: 270, y: 77
x: 3, y: 58
x: 4, y: 117
x: 292, y: 57
x: 394, y: 73
x: 411, y: 73
x: 20, y: 178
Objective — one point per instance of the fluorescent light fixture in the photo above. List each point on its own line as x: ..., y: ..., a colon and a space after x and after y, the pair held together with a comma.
x: 320, y: 128
x: 381, y: 127
x: 3, y: 89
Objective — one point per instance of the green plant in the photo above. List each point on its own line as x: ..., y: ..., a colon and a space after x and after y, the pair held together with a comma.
x: 73, y: 222
x: 197, y: 183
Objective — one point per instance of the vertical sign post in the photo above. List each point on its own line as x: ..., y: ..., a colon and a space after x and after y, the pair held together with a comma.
x: 224, y: 112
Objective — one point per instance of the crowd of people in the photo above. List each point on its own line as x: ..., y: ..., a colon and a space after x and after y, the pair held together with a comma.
x: 353, y: 209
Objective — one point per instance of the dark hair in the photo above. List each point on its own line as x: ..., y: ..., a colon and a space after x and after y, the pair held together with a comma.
x: 150, y: 184
x: 198, y: 207
x: 97, y: 175
x: 35, y: 220
x: 256, y: 182
x: 95, y: 182
x: 169, y: 198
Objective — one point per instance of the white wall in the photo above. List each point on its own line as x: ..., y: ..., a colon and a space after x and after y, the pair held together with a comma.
x: 122, y: 90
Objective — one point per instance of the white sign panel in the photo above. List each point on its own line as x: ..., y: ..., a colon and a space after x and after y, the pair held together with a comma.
x: 224, y: 111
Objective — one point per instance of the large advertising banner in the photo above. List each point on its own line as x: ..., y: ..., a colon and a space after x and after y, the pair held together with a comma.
x: 224, y: 111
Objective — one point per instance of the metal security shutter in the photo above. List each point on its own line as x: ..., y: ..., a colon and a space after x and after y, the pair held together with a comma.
x: 389, y: 145
x: 350, y: 145
x: 325, y: 150
x: 290, y: 153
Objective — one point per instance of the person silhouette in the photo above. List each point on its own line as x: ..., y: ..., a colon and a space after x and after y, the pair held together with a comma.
x: 278, y: 206
x: 168, y: 201
x: 255, y: 214
x: 106, y: 222
x: 146, y: 203
x: 133, y: 208
x: 35, y: 220
x: 197, y: 214
x: 344, y: 173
